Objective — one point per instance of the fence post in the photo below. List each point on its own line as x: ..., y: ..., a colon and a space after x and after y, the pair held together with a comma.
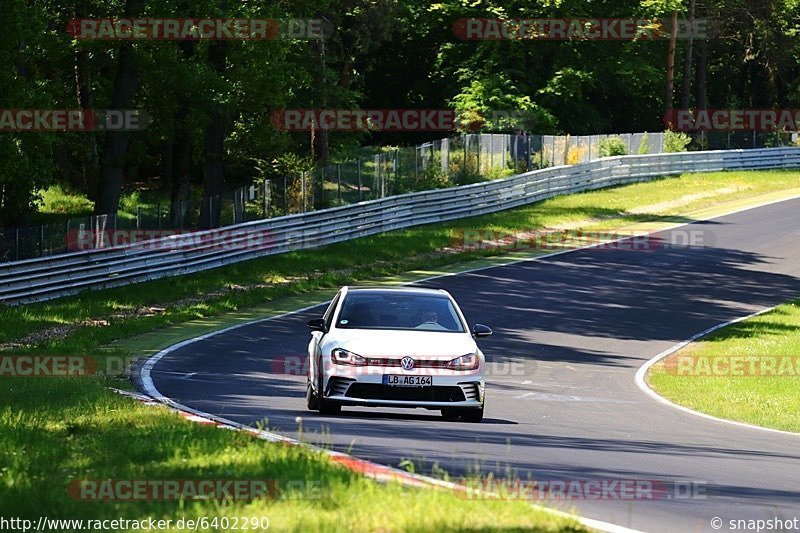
x: 528, y: 157
x: 491, y: 152
x: 138, y: 217
x: 16, y: 243
x: 285, y: 206
x: 396, y: 167
x: 478, y: 159
x: 265, y: 198
x: 416, y: 163
x: 464, y: 149
x: 339, y: 183
x: 303, y: 189
x: 158, y: 214
x: 359, y: 180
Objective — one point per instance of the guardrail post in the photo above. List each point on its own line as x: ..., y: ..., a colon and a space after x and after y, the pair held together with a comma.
x: 285, y: 205
x: 41, y: 240
x: 138, y: 217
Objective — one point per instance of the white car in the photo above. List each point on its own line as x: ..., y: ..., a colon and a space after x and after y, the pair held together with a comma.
x: 396, y: 347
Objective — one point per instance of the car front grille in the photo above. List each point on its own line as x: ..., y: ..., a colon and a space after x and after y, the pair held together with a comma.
x: 374, y: 391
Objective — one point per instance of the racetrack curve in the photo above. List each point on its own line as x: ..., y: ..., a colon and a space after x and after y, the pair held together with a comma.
x: 571, y: 330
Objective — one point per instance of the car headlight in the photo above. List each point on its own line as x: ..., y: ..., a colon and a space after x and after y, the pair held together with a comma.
x: 343, y: 357
x: 465, y: 362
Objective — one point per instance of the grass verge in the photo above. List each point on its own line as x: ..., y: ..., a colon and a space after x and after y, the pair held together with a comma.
x: 748, y: 371
x: 56, y: 432
x: 53, y: 431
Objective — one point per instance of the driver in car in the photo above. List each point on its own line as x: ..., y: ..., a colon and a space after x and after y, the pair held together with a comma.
x: 428, y: 316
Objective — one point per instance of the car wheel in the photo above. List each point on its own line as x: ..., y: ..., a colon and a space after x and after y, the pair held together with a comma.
x: 472, y: 415
x: 326, y: 407
x: 312, y: 399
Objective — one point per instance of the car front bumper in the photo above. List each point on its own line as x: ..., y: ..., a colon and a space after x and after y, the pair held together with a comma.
x: 453, y: 389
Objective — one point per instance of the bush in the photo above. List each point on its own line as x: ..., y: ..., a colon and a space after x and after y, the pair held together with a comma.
x: 644, y: 145
x: 575, y: 155
x: 612, y: 146
x: 675, y: 141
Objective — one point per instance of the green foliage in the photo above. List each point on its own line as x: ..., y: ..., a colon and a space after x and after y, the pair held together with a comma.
x: 676, y: 141
x: 398, y: 54
x: 495, y: 104
x: 644, y: 144
x: 612, y: 146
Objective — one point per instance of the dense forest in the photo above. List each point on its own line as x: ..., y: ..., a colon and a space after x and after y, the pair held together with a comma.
x: 209, y: 102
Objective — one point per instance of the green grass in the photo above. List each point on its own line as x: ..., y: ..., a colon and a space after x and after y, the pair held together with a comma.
x: 58, y: 431
x: 53, y: 431
x: 58, y: 204
x: 765, y: 400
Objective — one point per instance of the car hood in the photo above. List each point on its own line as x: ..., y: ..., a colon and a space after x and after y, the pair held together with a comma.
x: 390, y: 343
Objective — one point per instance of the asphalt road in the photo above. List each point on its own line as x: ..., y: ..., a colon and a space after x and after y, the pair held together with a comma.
x: 570, y: 332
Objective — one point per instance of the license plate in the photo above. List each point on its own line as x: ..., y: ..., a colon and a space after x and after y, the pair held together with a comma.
x: 407, y: 381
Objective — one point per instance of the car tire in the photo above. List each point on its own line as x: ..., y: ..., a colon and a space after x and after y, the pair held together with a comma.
x: 326, y: 407
x: 312, y: 399
x: 472, y: 415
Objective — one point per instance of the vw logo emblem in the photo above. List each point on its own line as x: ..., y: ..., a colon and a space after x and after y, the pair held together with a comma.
x: 407, y: 363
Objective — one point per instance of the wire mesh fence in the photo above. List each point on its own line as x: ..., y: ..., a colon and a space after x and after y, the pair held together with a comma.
x: 458, y: 160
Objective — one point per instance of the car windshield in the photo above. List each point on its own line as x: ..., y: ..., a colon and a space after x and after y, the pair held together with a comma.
x: 419, y: 312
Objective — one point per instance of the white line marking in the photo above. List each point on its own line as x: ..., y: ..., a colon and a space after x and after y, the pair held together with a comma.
x: 641, y: 375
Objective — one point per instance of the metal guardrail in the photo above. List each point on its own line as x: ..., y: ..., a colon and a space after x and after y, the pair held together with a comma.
x: 52, y: 277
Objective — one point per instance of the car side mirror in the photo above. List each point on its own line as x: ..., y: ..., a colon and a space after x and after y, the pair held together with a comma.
x: 317, y: 324
x: 481, y: 331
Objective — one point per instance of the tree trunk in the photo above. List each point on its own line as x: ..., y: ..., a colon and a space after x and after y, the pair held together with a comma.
x: 90, y: 159
x: 700, y: 98
x: 668, y: 89
x: 320, y: 151
x: 686, y: 86
x: 214, y: 145
x: 181, y: 156
x: 116, y: 147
